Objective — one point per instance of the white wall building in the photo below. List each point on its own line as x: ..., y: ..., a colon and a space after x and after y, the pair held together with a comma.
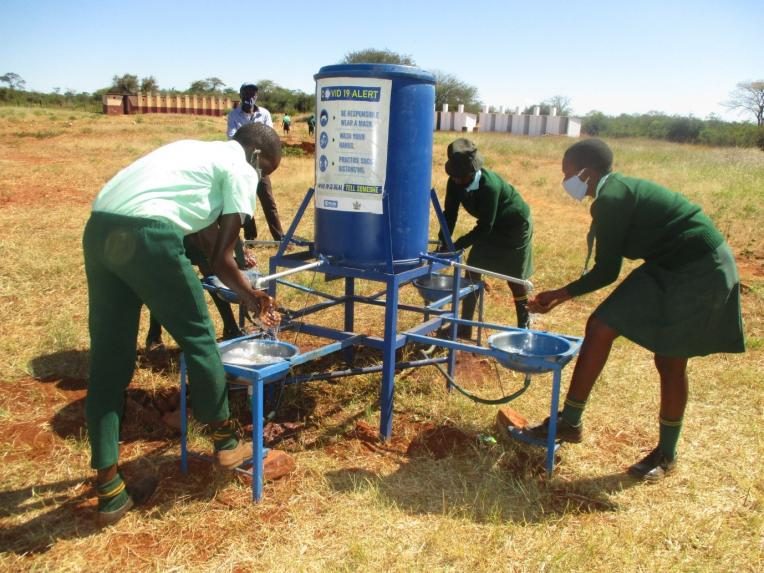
x: 515, y: 123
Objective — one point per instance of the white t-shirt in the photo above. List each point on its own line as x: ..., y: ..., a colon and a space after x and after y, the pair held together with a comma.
x: 237, y: 118
x: 189, y: 184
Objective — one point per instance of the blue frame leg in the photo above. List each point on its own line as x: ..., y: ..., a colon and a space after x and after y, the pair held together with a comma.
x: 257, y: 440
x: 550, y: 445
x: 349, y: 325
x: 387, y: 390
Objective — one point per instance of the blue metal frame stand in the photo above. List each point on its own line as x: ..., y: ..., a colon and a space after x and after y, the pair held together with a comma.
x: 395, y: 275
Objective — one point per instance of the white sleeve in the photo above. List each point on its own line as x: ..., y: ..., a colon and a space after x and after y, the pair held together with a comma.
x: 232, y: 124
x: 239, y: 188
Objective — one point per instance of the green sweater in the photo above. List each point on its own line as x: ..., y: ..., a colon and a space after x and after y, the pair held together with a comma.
x: 502, y: 215
x: 639, y: 219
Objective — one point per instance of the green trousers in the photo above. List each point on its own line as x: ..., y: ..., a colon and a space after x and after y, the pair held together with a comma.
x: 129, y: 262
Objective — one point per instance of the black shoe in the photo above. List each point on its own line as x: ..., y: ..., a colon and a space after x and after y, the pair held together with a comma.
x: 463, y: 331
x: 653, y: 467
x: 137, y: 494
x: 156, y: 351
x: 565, y: 431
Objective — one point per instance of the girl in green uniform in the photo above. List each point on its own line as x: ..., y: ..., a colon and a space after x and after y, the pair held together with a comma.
x: 501, y: 238
x: 683, y: 301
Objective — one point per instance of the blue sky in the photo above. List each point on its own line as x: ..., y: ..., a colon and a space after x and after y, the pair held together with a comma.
x: 631, y: 57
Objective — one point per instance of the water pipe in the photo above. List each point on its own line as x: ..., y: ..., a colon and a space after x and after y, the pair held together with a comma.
x: 526, y: 283
x: 262, y: 282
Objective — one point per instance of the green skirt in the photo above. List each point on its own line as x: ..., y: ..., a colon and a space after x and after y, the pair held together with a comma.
x: 500, y: 255
x: 690, y: 311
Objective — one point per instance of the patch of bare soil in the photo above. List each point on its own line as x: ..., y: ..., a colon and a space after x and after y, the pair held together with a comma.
x: 29, y: 431
x: 474, y: 367
x: 297, y: 141
x: 751, y: 268
x: 440, y: 441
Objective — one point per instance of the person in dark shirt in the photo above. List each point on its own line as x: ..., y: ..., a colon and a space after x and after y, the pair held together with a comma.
x: 683, y: 301
x: 501, y: 237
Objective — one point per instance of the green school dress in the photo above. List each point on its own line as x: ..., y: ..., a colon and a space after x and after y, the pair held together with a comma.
x: 501, y: 238
x: 684, y: 300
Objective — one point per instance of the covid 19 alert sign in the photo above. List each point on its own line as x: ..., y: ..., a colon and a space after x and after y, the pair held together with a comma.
x: 351, y: 150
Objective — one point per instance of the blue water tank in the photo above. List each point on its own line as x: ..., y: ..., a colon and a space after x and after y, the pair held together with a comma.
x: 373, y: 163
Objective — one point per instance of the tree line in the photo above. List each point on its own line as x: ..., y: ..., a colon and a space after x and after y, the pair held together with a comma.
x: 679, y: 129
x: 748, y: 97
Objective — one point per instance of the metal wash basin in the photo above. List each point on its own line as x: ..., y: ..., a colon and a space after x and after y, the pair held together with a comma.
x: 435, y: 287
x: 258, y: 353
x: 527, y: 351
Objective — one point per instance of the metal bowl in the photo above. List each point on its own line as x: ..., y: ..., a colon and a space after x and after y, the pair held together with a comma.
x: 217, y: 287
x: 257, y: 353
x: 527, y: 351
x: 435, y: 287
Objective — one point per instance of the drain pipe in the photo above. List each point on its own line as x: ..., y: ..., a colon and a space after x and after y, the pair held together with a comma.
x: 526, y: 283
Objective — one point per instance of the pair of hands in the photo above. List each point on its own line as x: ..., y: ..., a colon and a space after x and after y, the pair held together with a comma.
x: 249, y: 259
x: 263, y: 307
x: 545, y: 301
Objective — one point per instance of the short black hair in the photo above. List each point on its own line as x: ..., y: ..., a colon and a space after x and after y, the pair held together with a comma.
x: 590, y: 152
x: 259, y: 136
x: 247, y: 88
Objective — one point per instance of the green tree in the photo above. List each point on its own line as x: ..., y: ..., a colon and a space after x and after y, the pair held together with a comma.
x: 748, y: 97
x: 125, y: 84
x: 372, y: 56
x: 595, y: 123
x: 216, y: 84
x: 149, y: 85
x: 453, y: 91
x: 207, y: 86
x: 14, y: 81
x: 279, y: 99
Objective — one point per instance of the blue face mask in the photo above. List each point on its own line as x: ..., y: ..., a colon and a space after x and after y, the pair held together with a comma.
x: 475, y: 181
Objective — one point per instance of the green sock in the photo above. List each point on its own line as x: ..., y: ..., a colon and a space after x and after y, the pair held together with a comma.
x: 225, y: 437
x: 112, y: 495
x: 572, y: 411
x: 669, y: 436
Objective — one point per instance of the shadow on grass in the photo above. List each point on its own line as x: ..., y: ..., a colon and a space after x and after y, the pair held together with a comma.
x: 485, y: 485
x: 142, y: 419
x: 67, y: 368
x: 66, y: 509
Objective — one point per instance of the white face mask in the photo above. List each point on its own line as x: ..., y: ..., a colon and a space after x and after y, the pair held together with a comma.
x: 575, y: 186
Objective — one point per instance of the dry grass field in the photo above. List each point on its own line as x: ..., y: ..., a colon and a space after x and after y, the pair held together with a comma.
x: 440, y: 495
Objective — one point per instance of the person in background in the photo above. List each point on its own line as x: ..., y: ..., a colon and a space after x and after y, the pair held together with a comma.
x: 683, y: 301
x: 249, y: 112
x: 312, y: 124
x: 501, y: 238
x: 134, y: 255
x: 286, y: 123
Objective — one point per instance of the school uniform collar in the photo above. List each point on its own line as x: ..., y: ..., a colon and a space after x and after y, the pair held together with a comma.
x: 601, y: 184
